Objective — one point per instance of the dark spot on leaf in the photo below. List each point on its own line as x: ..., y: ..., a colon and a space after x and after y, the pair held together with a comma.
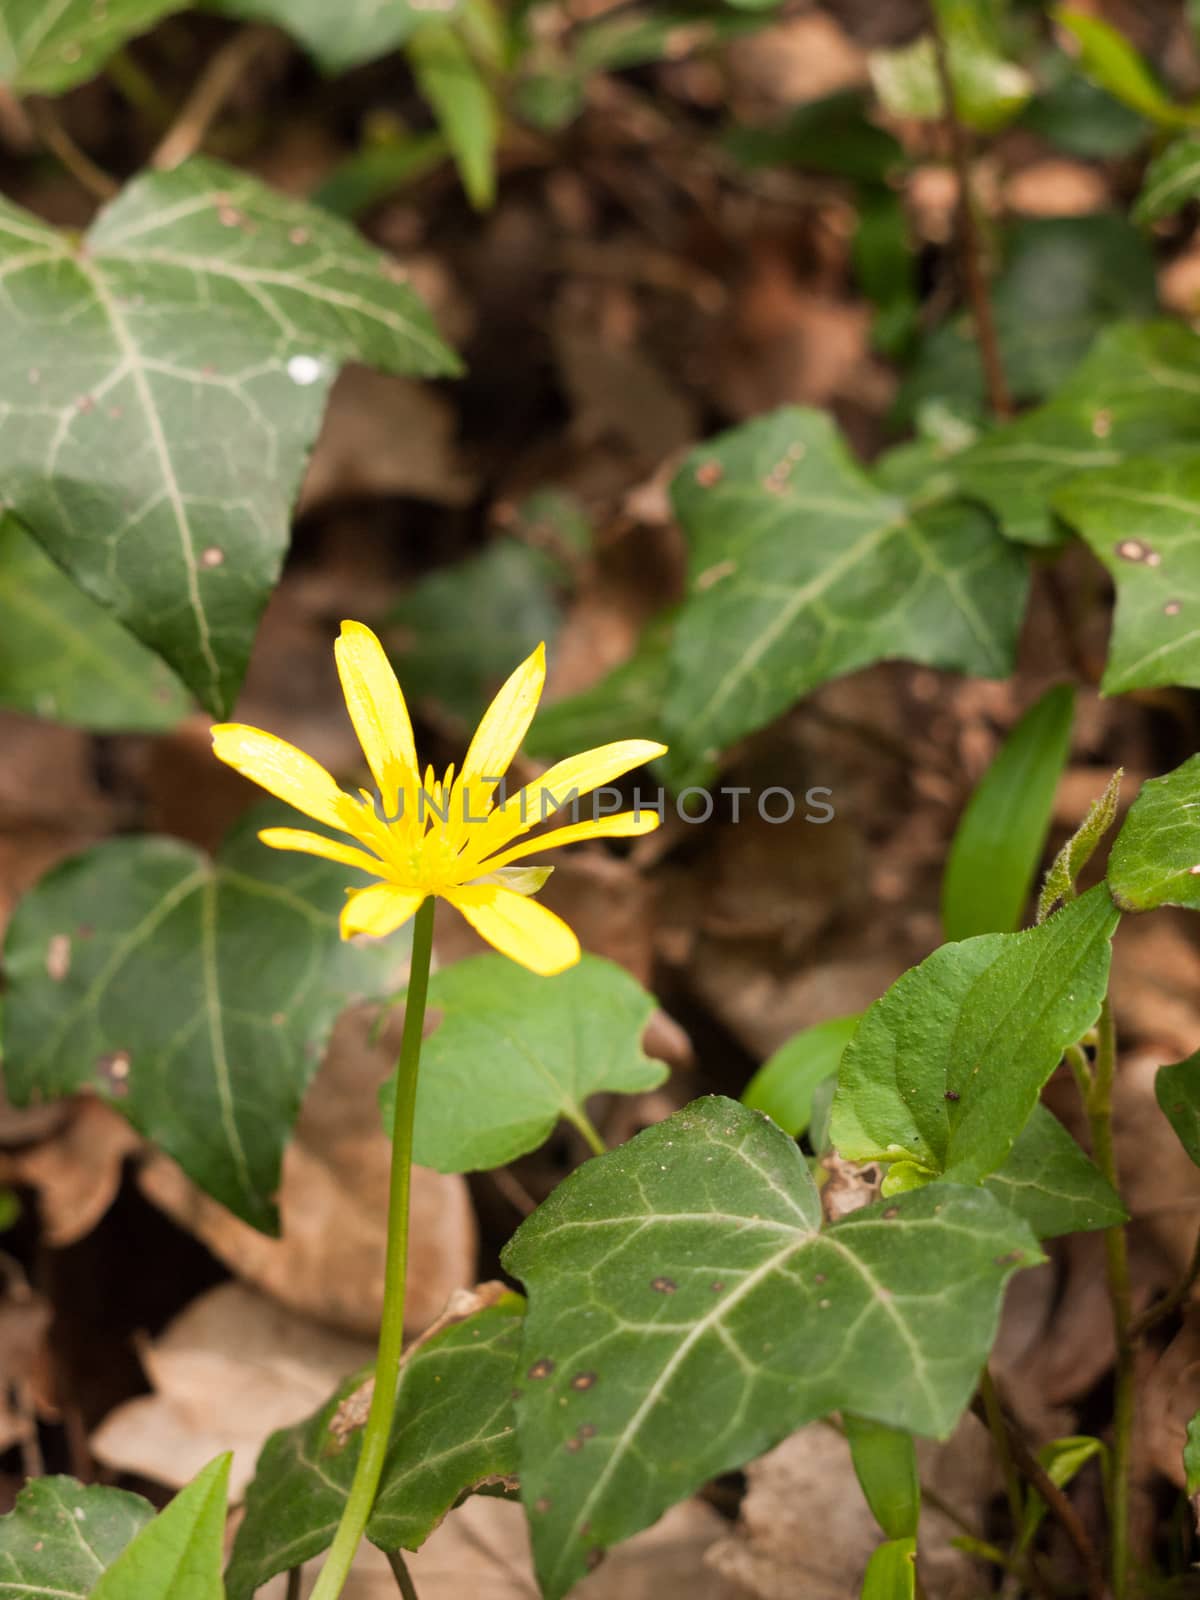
x: 584, y: 1529
x: 892, y: 1211
x: 818, y: 1277
x: 583, y: 1380
x: 587, y: 1430
x: 708, y: 473
x: 1173, y: 608
x: 718, y: 1288
x: 574, y: 1446
x: 952, y: 1094
x: 542, y: 1503
x: 593, y: 1558
x: 542, y: 1368
x: 84, y: 930
x: 1011, y: 1259
x: 663, y: 1285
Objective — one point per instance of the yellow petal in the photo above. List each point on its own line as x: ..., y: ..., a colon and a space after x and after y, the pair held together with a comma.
x: 498, y: 737
x: 317, y: 844
x: 377, y: 710
x: 577, y: 775
x: 379, y: 910
x: 284, y: 771
x: 520, y: 929
x: 625, y: 825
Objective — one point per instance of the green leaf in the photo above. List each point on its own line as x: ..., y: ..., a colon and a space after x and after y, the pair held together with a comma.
x: 63, y: 656
x: 1172, y: 179
x: 1136, y: 391
x: 1191, y: 1456
x: 463, y: 102
x: 800, y: 570
x: 1140, y: 521
x: 46, y: 48
x: 1109, y: 58
x: 1156, y: 859
x: 195, y: 994
x: 686, y: 1312
x: 61, y: 1535
x: 783, y: 1086
x: 1062, y: 1459
x: 1177, y: 1090
x: 1079, y: 848
x: 464, y: 626
x: 988, y: 89
x: 1065, y: 280
x: 1001, y: 835
x: 885, y: 1463
x: 831, y: 134
x: 453, y: 1432
x: 164, y: 381
x: 1050, y: 1184
x: 892, y: 1571
x: 515, y: 1054
x: 179, y: 1555
x: 653, y: 33
x: 379, y: 169
x: 1079, y: 117
x: 339, y: 37
x: 946, y: 1068
x: 625, y: 704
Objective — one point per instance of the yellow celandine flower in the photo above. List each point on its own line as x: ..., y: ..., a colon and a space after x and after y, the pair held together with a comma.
x: 444, y: 838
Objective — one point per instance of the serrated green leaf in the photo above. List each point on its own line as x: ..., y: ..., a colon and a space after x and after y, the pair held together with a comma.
x: 46, y: 48
x: 462, y: 627
x: 885, y: 1464
x: 783, y: 1086
x: 1177, y: 1090
x: 1080, y: 847
x: 1108, y: 57
x: 1172, y: 179
x: 341, y: 36
x: 1140, y: 521
x: 179, y: 1555
x: 1156, y: 858
x: 946, y: 1068
x: 1002, y: 833
x: 892, y: 1571
x: 625, y: 704
x: 163, y: 383
x: 62, y: 656
x: 686, y: 1312
x: 464, y: 104
x: 800, y: 570
x: 453, y: 1431
x: 515, y: 1054
x: 195, y: 994
x: 61, y: 1535
x: 1065, y: 279
x: 1138, y: 390
x: 1049, y: 1182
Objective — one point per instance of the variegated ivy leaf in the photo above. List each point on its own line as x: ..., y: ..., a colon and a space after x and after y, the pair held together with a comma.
x: 800, y: 569
x: 344, y: 35
x: 61, y: 1535
x: 48, y: 45
x: 687, y: 1311
x: 164, y: 379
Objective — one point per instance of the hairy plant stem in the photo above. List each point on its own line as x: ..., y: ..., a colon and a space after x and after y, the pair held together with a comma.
x: 1098, y: 1103
x: 999, y: 397
x: 377, y: 1432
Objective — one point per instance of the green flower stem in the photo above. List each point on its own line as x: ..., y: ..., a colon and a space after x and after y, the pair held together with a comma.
x: 1099, y: 1110
x: 378, y: 1430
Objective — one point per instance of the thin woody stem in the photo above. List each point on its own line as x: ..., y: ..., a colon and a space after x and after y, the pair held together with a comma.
x: 189, y: 130
x: 1153, y: 1315
x: 46, y: 124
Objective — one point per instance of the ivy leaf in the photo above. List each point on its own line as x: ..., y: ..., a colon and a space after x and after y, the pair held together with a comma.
x: 1156, y: 858
x: 686, y: 1312
x: 946, y: 1068
x: 783, y: 1086
x: 1177, y: 1090
x: 1049, y: 1182
x: 343, y: 36
x: 1172, y: 179
x: 195, y: 994
x: 164, y: 381
x: 1136, y: 391
x: 178, y: 1556
x: 1140, y: 520
x: 453, y: 1432
x: 515, y: 1054
x: 1002, y: 833
x: 800, y: 570
x: 63, y: 656
x: 61, y: 1535
x: 45, y: 48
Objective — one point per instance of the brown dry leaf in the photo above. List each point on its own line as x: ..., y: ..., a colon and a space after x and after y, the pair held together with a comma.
x: 805, y: 1528
x: 25, y: 1366
x: 77, y: 1171
x: 328, y: 1263
x: 1057, y: 188
x: 385, y: 435
x: 228, y: 1371
x: 803, y: 58
x: 1169, y: 1396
